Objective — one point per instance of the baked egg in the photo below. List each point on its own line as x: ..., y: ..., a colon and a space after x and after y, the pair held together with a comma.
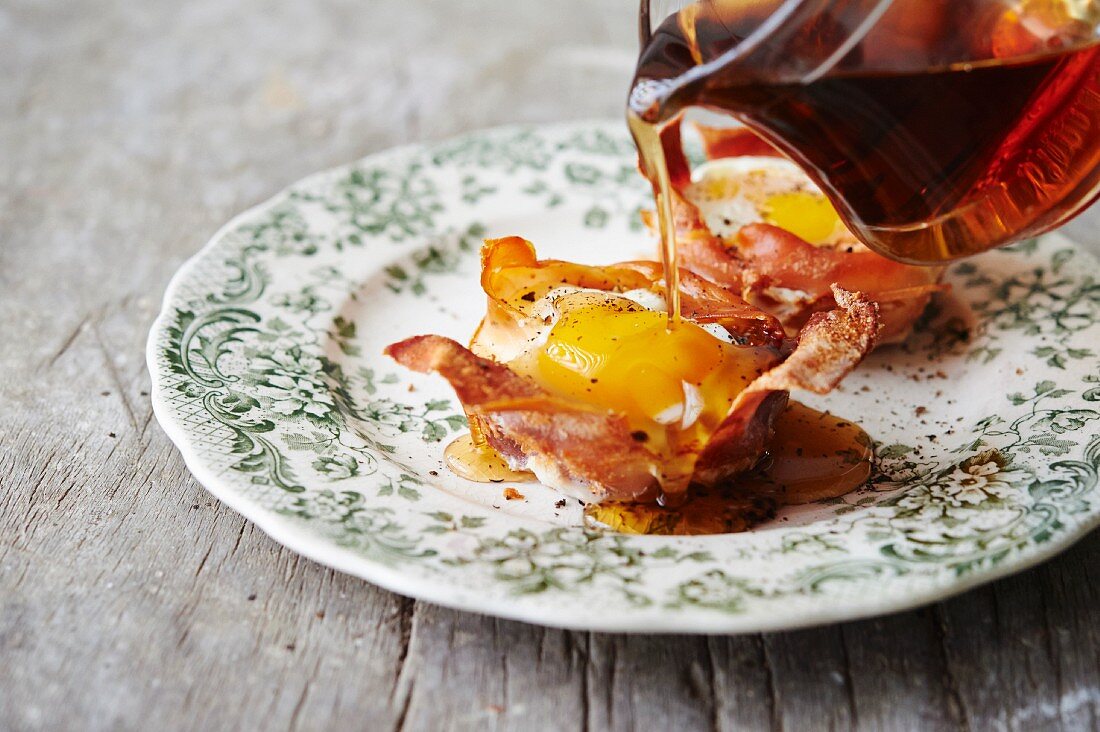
x: 734, y: 192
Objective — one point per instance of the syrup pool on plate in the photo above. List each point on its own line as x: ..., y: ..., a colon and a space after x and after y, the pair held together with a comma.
x: 813, y: 455
x: 480, y: 463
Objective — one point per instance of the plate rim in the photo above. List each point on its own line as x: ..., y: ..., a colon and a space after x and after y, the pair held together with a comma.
x: 289, y: 534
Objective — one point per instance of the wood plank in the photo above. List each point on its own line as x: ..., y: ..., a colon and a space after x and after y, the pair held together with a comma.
x: 1023, y: 651
x: 130, y: 599
x: 649, y: 682
x: 468, y: 671
x: 744, y: 684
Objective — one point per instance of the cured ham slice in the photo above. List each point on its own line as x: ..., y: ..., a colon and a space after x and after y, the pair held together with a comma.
x: 770, y: 266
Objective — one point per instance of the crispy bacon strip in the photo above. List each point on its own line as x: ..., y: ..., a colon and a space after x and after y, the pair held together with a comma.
x: 829, y: 347
x: 583, y: 452
x: 477, y: 381
x: 742, y: 438
x: 697, y: 248
x: 705, y: 301
x: 799, y: 265
x: 787, y: 276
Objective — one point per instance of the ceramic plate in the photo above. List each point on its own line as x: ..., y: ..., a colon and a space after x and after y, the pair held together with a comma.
x: 268, y: 374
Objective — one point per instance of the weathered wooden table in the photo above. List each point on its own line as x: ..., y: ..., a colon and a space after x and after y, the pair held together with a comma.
x: 130, y: 599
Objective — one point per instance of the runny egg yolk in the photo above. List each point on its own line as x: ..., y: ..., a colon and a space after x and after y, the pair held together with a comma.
x: 808, y: 215
x: 734, y: 192
x: 608, y: 351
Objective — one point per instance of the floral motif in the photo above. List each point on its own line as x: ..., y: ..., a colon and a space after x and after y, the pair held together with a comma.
x: 305, y: 301
x: 945, y: 507
x: 507, y: 150
x: 337, y: 467
x: 1039, y: 301
x: 443, y: 256
x: 284, y: 231
x: 559, y: 559
x: 716, y: 590
x: 984, y: 477
x: 347, y: 517
x: 291, y: 396
x: 1070, y: 420
x: 394, y: 202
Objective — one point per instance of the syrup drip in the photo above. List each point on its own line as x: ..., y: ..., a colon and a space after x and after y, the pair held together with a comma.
x: 651, y: 153
x: 813, y: 455
x: 480, y: 463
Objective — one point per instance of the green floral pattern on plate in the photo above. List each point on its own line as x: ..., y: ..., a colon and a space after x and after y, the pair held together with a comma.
x: 268, y: 374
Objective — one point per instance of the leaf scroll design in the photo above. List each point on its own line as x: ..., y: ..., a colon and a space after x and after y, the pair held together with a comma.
x: 258, y: 456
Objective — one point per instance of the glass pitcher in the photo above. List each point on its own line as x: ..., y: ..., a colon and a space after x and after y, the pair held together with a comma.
x: 938, y: 128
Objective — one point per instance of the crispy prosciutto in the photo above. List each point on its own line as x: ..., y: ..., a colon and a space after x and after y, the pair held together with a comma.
x: 581, y: 450
x: 737, y: 227
x: 575, y: 375
x: 792, y: 279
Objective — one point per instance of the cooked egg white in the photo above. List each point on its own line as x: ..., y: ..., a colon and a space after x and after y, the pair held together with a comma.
x: 733, y: 192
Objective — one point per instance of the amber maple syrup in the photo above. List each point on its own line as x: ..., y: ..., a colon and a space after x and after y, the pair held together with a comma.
x: 951, y: 128
x: 651, y: 149
x: 813, y: 455
x: 475, y: 460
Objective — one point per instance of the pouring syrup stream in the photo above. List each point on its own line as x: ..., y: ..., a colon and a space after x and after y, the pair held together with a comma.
x: 651, y: 152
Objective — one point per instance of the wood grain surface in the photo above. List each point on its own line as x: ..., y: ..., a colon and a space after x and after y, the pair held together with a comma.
x: 130, y: 599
